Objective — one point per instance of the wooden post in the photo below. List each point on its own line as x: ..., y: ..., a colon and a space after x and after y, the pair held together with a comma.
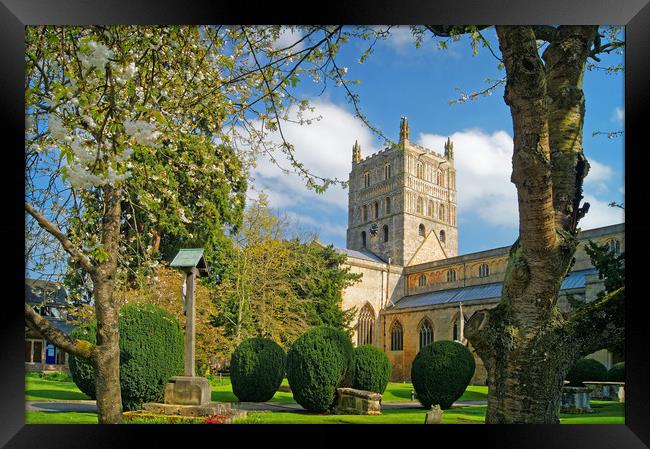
x: 190, y: 322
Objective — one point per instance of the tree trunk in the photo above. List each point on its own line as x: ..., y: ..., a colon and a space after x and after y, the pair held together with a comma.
x: 107, y: 361
x: 525, y: 342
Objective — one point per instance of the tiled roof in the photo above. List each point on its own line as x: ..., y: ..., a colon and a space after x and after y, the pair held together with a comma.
x: 361, y: 255
x: 575, y: 279
x: 38, y: 291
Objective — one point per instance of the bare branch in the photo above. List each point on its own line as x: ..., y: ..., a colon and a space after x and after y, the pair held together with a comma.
x: 69, y: 247
x: 79, y: 348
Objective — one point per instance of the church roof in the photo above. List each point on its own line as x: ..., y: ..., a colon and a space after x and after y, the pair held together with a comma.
x: 364, y: 255
x: 575, y: 279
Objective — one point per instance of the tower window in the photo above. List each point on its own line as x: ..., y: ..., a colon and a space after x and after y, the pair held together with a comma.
x: 484, y: 270
x: 441, y: 212
x: 442, y: 236
x: 363, y: 238
x: 430, y: 208
x: 396, y: 336
x: 365, y: 328
x: 422, y: 280
x: 419, y: 170
x: 387, y: 206
x: 426, y: 334
x: 421, y: 230
x: 419, y: 205
x: 375, y: 210
x: 451, y: 275
x: 366, y: 179
x: 387, y: 172
x: 385, y: 233
x: 364, y: 214
x: 615, y: 247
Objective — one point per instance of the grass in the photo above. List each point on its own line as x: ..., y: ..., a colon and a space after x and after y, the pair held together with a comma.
x: 41, y: 389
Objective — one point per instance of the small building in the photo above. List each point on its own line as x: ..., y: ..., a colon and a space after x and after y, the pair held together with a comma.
x: 49, y: 300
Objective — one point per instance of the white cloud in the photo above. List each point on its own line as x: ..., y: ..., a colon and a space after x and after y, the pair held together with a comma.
x: 598, y: 177
x: 401, y: 39
x: 288, y: 36
x: 618, y: 115
x: 600, y: 214
x: 483, y: 166
x: 325, y: 149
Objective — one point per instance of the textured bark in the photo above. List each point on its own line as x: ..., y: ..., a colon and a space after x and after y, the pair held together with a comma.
x: 525, y: 342
x: 107, y: 361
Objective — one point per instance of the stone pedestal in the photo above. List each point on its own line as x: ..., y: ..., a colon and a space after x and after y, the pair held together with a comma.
x: 186, y: 390
x: 433, y: 416
x: 575, y: 400
x: 357, y: 402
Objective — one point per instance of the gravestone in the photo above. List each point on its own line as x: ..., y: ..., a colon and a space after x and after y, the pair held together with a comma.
x: 434, y: 416
x: 576, y: 400
x: 350, y: 401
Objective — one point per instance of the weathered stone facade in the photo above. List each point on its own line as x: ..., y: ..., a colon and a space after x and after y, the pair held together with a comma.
x: 413, y: 283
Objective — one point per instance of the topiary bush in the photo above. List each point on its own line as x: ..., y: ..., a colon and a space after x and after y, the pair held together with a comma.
x: 441, y: 372
x: 151, y: 351
x: 370, y: 369
x: 617, y: 373
x: 257, y: 368
x: 317, y: 364
x: 81, y: 371
x: 586, y: 370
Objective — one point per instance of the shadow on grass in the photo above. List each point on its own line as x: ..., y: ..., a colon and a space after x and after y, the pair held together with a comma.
x: 36, y: 394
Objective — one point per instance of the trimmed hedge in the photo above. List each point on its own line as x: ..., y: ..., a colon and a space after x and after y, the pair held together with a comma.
x: 81, y: 371
x: 586, y: 370
x: 256, y: 369
x: 370, y: 369
x: 441, y: 372
x: 317, y: 364
x: 151, y: 351
x: 617, y: 373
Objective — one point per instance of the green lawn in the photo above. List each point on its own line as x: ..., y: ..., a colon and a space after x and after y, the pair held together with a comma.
x: 39, y: 389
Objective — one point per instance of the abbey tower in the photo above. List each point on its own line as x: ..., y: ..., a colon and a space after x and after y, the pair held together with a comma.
x: 402, y: 202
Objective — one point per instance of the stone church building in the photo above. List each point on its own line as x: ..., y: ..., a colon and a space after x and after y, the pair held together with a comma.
x: 403, y: 237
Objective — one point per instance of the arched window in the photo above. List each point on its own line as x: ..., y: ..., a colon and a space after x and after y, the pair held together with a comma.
x: 422, y: 280
x: 452, y: 215
x: 451, y: 275
x: 419, y: 205
x: 364, y: 214
x: 421, y: 230
x: 615, y: 247
x: 419, y: 170
x: 439, y: 177
x: 385, y: 233
x: 375, y: 210
x: 366, y: 325
x: 363, y: 238
x: 484, y: 270
x: 387, y: 205
x: 426, y: 333
x: 396, y: 336
x: 441, y: 212
x: 430, y: 208
x: 442, y: 236
x: 387, y: 173
x: 366, y: 179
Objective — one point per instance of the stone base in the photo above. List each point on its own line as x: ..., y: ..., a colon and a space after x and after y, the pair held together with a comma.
x: 357, y: 402
x: 575, y: 400
x: 185, y: 390
x: 224, y: 409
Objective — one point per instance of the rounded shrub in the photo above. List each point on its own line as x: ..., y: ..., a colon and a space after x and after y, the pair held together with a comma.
x: 83, y: 371
x: 370, y: 369
x: 586, y: 370
x: 317, y: 364
x: 617, y: 373
x: 441, y: 372
x: 256, y: 369
x: 151, y: 351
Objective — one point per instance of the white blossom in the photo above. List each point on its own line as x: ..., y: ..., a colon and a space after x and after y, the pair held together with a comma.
x: 98, y: 57
x: 57, y: 130
x: 144, y: 132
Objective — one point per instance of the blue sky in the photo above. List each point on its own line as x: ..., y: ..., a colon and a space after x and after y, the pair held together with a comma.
x: 401, y: 80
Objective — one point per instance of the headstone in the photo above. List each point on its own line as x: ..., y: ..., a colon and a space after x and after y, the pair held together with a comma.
x: 575, y: 400
x: 434, y: 416
x: 350, y: 401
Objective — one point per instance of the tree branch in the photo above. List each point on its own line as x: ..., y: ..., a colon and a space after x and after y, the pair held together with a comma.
x: 79, y: 348
x: 69, y: 247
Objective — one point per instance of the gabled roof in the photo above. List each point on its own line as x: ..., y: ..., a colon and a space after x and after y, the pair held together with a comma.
x: 38, y: 291
x: 190, y: 258
x: 363, y: 255
x: 575, y: 279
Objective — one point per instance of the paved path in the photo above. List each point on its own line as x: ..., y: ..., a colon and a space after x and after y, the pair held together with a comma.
x: 91, y: 406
